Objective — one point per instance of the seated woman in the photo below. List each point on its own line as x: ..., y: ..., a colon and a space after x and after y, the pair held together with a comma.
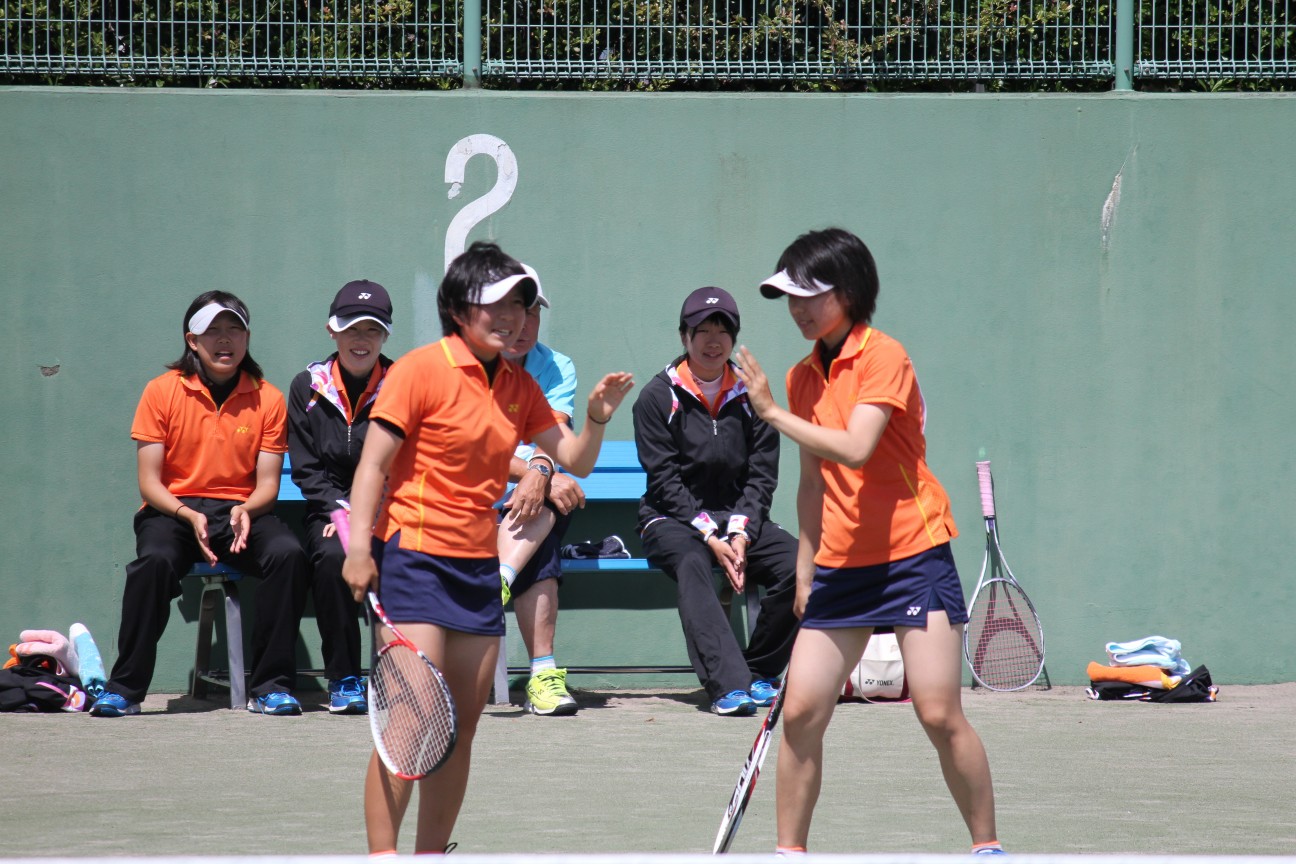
x: 712, y: 467
x: 210, y: 436
x: 328, y: 416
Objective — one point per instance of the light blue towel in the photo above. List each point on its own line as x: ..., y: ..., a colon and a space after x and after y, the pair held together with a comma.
x: 1149, y: 651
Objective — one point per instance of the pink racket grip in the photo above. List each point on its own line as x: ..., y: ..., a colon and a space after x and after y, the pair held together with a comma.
x: 342, y: 522
x: 987, y: 489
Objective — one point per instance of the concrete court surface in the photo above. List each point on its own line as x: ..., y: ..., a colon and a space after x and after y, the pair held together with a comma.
x: 651, y: 772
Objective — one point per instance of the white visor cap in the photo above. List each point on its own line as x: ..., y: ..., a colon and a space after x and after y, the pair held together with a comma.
x: 497, y: 291
x: 202, y: 319
x: 782, y: 283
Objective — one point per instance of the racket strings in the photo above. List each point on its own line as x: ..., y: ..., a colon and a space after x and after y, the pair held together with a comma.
x: 411, y: 711
x: 1004, y: 638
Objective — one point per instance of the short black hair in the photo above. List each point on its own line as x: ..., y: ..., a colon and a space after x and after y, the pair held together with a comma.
x: 838, y: 258
x: 188, y: 362
x: 461, y: 288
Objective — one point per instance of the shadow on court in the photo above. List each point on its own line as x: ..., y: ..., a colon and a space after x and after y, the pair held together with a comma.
x: 651, y: 772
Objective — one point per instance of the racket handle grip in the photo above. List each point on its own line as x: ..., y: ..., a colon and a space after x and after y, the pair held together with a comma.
x: 987, y: 489
x: 341, y: 519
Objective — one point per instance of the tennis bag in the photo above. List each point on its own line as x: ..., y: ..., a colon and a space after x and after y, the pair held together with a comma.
x: 1196, y: 686
x: 35, y: 685
x: 879, y: 676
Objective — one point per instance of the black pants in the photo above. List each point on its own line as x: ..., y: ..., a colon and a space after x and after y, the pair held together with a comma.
x: 336, y: 612
x: 679, y: 551
x: 166, y: 550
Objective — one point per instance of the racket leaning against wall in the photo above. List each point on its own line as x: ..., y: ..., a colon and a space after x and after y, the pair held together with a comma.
x: 747, y: 777
x: 1003, y: 641
x: 411, y: 712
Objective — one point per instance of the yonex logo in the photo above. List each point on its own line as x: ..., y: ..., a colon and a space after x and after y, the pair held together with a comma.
x: 242, y: 430
x: 513, y: 407
x: 711, y: 301
x: 365, y: 296
x: 914, y: 611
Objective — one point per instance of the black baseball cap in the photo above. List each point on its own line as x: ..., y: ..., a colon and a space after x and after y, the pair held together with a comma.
x: 705, y: 302
x: 360, y: 300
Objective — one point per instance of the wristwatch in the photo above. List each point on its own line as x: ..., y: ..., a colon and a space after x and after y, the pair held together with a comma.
x: 545, y: 470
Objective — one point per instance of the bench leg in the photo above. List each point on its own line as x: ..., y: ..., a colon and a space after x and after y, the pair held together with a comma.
x: 202, y: 656
x: 499, y: 690
x: 234, y: 647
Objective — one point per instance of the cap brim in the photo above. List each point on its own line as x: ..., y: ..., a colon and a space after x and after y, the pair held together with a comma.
x: 782, y: 283
x: 338, y: 323
x: 497, y: 291
x: 202, y: 319
x: 540, y: 298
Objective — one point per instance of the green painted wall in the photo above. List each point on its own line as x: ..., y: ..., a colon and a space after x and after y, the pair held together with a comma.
x: 1096, y: 290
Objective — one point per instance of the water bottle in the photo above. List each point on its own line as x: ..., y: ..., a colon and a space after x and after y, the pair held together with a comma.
x: 90, y: 665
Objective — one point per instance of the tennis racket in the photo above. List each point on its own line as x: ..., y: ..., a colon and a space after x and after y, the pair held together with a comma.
x: 411, y: 712
x: 1003, y: 641
x: 747, y: 779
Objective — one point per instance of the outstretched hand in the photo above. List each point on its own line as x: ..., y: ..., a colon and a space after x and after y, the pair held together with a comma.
x: 758, y: 390
x: 607, y: 396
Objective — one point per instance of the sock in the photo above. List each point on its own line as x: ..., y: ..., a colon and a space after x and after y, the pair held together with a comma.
x: 540, y: 664
x: 386, y: 853
x: 508, y: 574
x: 987, y: 847
x: 785, y: 851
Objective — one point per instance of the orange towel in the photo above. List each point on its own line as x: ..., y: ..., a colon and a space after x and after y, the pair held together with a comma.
x: 1140, y: 676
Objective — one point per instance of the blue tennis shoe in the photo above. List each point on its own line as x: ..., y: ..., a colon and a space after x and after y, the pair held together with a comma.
x: 735, y: 703
x: 274, y: 703
x: 763, y: 691
x: 112, y: 705
x: 348, y: 696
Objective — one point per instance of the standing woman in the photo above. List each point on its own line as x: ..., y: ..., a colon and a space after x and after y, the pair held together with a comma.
x: 210, y: 435
x: 444, y: 428
x: 328, y: 416
x: 875, y: 527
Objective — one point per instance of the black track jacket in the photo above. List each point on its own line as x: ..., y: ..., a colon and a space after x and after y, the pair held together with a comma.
x: 714, y: 474
x: 323, y: 447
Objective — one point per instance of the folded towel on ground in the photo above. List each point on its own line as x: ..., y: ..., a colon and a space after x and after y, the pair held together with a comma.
x: 1141, y: 676
x: 1149, y: 651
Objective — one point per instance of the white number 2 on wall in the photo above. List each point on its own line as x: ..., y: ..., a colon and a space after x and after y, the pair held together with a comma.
x: 477, y: 210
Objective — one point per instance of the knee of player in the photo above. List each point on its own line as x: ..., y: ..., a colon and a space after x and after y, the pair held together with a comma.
x: 940, y: 720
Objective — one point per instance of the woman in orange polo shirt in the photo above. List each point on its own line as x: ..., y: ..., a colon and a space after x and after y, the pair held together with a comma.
x: 443, y: 429
x: 210, y: 435
x: 875, y: 527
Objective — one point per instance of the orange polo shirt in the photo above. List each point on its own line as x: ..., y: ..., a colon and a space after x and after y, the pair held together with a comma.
x: 892, y: 507
x: 460, y: 432
x: 210, y: 452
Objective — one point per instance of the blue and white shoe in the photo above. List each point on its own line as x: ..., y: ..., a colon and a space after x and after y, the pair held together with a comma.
x: 763, y: 691
x: 735, y: 703
x: 274, y: 703
x: 348, y: 696
x: 112, y: 705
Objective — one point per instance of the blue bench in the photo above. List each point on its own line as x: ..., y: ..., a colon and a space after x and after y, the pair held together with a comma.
x: 617, y: 478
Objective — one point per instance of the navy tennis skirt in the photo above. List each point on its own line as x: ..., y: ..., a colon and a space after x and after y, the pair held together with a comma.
x: 896, y: 594
x: 455, y: 593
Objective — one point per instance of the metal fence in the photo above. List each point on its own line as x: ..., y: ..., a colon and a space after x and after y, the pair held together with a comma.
x: 1200, y: 40
x: 407, y: 39
x: 639, y: 41
x: 816, y: 40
